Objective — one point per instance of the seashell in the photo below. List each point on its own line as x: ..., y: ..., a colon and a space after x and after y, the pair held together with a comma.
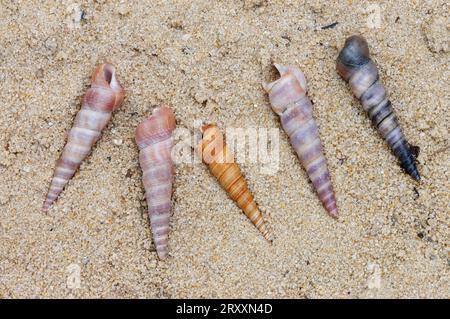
x: 215, y: 153
x: 154, y: 139
x: 101, y: 99
x: 355, y: 66
x: 289, y: 100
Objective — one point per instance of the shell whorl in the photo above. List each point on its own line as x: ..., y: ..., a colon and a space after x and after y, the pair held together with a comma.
x: 100, y: 100
x: 289, y: 100
x: 154, y: 139
x: 356, y: 67
x: 288, y: 89
x: 215, y: 153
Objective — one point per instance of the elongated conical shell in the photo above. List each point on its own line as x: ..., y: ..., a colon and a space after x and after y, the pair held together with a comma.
x: 154, y: 138
x: 220, y: 160
x: 289, y: 100
x: 101, y: 99
x: 355, y: 67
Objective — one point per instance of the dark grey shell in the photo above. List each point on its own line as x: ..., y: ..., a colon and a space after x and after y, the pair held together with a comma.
x: 355, y: 51
x: 355, y: 67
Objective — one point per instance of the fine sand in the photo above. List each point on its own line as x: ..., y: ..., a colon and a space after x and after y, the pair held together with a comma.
x: 207, y: 60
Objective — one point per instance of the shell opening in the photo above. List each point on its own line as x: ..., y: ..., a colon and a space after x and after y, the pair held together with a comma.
x: 108, y: 74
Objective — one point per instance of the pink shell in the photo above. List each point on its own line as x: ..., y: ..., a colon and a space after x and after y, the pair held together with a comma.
x: 104, y: 96
x: 154, y: 138
x: 157, y: 127
x: 106, y: 93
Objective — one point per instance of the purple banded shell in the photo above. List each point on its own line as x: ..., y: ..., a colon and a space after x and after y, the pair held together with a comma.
x: 154, y: 139
x: 289, y: 100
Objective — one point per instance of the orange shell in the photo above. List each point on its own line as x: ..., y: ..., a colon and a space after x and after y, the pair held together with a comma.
x: 220, y: 161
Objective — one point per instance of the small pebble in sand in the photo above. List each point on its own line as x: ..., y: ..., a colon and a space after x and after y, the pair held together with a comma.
x: 26, y: 169
x: 39, y: 73
x: 117, y: 141
x: 123, y: 9
x: 129, y: 173
x: 74, y: 15
x: 51, y: 46
x: 61, y: 56
x: 176, y: 24
x: 85, y: 260
x: 254, y: 4
x: 185, y: 37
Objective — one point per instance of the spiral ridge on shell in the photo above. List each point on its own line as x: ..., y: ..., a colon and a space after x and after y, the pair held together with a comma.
x: 289, y: 100
x: 216, y: 154
x: 154, y: 139
x: 103, y: 97
x: 356, y: 67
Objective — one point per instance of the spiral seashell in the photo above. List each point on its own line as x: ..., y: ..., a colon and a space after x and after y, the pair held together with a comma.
x: 355, y: 67
x: 215, y: 153
x: 154, y: 139
x: 101, y: 99
x: 289, y: 100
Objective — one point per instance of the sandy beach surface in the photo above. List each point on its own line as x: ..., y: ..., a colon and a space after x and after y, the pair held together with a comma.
x: 207, y: 59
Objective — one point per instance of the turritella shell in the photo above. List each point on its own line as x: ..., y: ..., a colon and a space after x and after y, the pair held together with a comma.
x: 356, y: 67
x: 289, y: 100
x: 155, y: 142
x: 220, y: 160
x: 103, y: 97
